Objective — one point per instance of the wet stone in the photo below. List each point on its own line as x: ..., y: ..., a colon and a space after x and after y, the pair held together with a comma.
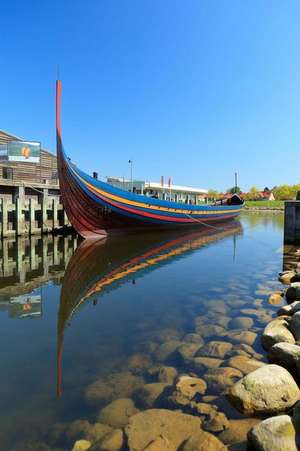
x: 118, y: 412
x: 187, y: 351
x: 244, y: 364
x: 267, y: 390
x: 139, y: 363
x: 201, y: 364
x: 215, y: 349
x: 113, y: 441
x: 210, y: 330
x: 187, y: 389
x: 147, y: 426
x: 246, y: 337
x: 203, y: 441
x: 220, y: 379
x: 217, y: 422
x: 148, y: 395
x: 193, y: 338
x: 287, y: 354
x: 166, y: 350
x: 274, y: 434
x: 81, y: 445
x: 241, y: 322
x: 277, y: 331
x: 237, y: 431
x: 167, y: 374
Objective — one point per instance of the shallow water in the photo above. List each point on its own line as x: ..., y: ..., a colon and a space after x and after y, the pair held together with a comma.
x: 120, y: 298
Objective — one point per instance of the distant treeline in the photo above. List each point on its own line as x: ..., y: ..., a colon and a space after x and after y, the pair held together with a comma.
x: 281, y: 192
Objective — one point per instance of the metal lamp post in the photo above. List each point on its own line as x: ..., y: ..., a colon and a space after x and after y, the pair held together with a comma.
x: 131, y: 180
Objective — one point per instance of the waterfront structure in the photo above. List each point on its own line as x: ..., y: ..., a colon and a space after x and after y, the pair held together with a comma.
x: 171, y: 192
x: 97, y: 209
x: 26, y: 161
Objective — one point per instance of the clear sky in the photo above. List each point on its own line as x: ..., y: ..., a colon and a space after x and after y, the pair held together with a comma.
x: 192, y: 89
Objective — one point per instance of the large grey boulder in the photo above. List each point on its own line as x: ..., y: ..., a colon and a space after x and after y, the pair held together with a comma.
x: 277, y: 331
x: 295, y: 325
x: 289, y: 309
x: 293, y: 292
x: 144, y: 427
x: 287, y: 354
x: 267, y: 390
x: 274, y: 434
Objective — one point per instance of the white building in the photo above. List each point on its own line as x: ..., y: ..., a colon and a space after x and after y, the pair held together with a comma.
x: 176, y: 193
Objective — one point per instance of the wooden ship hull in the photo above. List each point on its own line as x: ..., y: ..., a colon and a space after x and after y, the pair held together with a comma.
x: 98, y: 267
x: 97, y: 209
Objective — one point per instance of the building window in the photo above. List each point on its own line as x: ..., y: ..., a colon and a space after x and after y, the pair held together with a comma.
x: 7, y: 173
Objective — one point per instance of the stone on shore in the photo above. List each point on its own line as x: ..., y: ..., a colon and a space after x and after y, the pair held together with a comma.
x: 273, y: 434
x: 277, y: 331
x: 146, y: 426
x: 287, y: 277
x: 244, y: 364
x: 289, y: 309
x: 287, y: 354
x: 118, y: 412
x: 276, y: 298
x: 203, y: 441
x: 295, y: 325
x: 215, y: 349
x: 267, y: 390
x: 293, y: 292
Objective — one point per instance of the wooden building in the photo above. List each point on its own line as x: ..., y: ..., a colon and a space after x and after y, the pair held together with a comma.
x: 44, y: 171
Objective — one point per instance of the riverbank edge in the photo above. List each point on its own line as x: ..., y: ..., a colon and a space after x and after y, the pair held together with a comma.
x: 264, y: 209
x: 281, y: 341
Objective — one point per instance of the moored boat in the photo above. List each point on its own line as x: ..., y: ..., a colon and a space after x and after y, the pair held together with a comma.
x: 97, y: 209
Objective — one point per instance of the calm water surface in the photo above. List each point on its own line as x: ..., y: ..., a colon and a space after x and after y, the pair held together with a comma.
x: 63, y: 330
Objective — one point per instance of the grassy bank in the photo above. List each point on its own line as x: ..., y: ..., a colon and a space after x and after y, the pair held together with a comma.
x: 265, y: 204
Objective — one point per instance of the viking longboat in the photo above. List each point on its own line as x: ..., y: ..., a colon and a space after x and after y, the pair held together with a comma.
x: 97, y: 209
x: 100, y: 266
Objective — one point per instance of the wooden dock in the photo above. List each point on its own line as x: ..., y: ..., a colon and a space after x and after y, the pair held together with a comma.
x: 292, y: 222
x: 27, y: 210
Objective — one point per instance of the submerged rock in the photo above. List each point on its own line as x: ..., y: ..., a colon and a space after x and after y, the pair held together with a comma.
x: 81, y: 445
x: 118, y: 385
x: 113, y: 441
x: 202, y: 441
x: 241, y: 337
x: 276, y: 298
x: 274, y: 434
x: 187, y: 389
x: 139, y: 363
x: 277, y: 331
x: 118, y: 412
x: 160, y: 443
x: 201, y: 364
x: 241, y: 322
x: 221, y: 378
x: 91, y: 432
x: 286, y: 277
x: 244, y: 364
x: 237, y: 431
x: 145, y: 427
x: 149, y: 394
x: 166, y: 350
x: 269, y: 389
x: 216, y: 422
x: 215, y: 349
x: 167, y: 374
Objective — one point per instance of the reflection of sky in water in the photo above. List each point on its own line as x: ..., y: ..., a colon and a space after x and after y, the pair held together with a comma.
x: 101, y: 337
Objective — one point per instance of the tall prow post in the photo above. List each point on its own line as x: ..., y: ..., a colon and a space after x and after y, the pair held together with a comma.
x: 58, y: 129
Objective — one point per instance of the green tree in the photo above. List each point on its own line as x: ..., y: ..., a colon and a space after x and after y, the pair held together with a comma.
x: 213, y: 194
x: 234, y: 189
x: 253, y: 194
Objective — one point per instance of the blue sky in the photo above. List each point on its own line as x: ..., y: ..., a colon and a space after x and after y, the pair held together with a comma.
x: 192, y: 89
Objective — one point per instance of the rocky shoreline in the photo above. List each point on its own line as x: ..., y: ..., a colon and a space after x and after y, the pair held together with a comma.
x: 230, y: 383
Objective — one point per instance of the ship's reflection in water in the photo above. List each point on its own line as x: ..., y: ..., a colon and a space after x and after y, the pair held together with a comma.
x: 100, y: 266
x: 26, y: 264
x: 76, y: 317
